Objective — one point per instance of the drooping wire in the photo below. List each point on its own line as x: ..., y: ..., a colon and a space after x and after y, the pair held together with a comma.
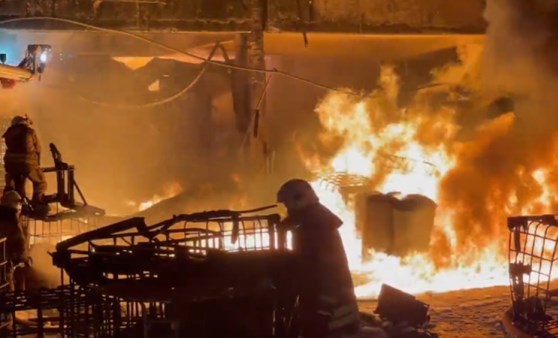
x: 273, y: 71
x: 177, y: 50
x: 163, y: 101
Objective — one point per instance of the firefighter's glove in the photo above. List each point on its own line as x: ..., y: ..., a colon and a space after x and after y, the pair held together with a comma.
x: 18, y: 265
x: 287, y: 224
x: 24, y: 262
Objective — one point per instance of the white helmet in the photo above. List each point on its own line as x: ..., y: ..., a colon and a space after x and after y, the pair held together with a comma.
x: 20, y: 120
x: 297, y: 194
x: 12, y: 199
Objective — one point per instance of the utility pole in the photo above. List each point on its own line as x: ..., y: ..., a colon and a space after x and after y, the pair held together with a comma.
x: 249, y: 87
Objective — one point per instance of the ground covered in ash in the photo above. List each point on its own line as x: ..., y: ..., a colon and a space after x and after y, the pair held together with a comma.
x: 471, y: 313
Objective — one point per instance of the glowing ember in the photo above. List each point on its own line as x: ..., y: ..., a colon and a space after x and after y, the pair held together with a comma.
x: 170, y: 190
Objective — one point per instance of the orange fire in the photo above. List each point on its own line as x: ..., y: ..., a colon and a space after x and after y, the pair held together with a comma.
x: 170, y: 190
x: 413, y: 151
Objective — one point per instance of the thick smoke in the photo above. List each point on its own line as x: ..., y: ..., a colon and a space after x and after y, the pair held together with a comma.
x: 42, y: 273
x: 93, y: 109
x: 499, y: 170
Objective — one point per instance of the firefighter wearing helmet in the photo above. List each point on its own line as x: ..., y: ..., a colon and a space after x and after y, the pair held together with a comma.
x: 23, y: 158
x: 16, y: 242
x: 328, y: 306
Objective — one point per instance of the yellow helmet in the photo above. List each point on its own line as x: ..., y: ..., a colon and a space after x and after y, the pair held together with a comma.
x: 20, y: 120
x: 297, y: 194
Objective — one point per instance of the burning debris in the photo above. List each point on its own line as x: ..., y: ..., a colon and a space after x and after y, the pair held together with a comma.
x: 479, y: 146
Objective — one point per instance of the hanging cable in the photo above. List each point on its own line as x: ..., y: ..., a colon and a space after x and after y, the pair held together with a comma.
x: 160, y: 102
x: 255, y: 116
x: 176, y: 50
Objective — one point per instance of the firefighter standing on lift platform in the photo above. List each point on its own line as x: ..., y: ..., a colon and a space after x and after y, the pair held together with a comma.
x: 328, y: 306
x: 23, y: 158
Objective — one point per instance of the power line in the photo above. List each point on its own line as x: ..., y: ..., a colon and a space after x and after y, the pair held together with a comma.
x: 163, y: 101
x: 176, y: 50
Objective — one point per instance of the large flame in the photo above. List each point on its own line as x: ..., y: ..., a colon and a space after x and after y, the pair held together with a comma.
x: 412, y: 151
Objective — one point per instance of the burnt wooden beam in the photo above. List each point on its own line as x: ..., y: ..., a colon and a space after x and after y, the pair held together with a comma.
x: 377, y: 16
x: 142, y: 15
x: 340, y: 16
x: 170, y: 26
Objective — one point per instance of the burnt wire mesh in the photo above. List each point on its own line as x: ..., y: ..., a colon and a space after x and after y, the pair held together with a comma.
x: 53, y: 231
x: 226, y: 234
x: 128, y: 258
x: 532, y: 256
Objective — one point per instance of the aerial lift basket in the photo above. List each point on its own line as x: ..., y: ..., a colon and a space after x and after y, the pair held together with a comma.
x: 532, y: 259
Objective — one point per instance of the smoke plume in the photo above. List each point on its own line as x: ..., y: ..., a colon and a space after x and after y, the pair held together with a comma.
x: 502, y: 169
x: 42, y: 273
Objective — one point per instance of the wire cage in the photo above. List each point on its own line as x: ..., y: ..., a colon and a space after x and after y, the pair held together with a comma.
x: 532, y: 259
x: 52, y: 231
x: 209, y: 274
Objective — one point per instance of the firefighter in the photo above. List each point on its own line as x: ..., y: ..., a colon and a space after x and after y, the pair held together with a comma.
x: 23, y: 158
x: 16, y: 243
x: 328, y: 306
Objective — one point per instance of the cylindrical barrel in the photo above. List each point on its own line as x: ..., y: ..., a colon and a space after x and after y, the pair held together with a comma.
x: 393, y: 225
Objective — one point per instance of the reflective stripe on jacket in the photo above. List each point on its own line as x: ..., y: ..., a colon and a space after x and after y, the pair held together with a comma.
x: 340, y: 314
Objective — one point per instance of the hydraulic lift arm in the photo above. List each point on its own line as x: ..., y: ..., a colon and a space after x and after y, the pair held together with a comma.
x: 32, y: 65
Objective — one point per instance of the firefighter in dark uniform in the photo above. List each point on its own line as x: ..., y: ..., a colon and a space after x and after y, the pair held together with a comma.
x: 23, y: 158
x: 16, y: 243
x: 328, y: 306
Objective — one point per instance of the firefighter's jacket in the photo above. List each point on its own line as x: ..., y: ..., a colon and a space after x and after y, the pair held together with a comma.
x: 324, y: 278
x: 22, y: 145
x: 10, y: 229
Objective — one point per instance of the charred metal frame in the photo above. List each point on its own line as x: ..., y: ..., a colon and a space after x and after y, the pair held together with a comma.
x: 66, y: 184
x: 129, y: 277
x: 52, y: 230
x: 532, y: 257
x: 66, y: 187
x: 70, y: 217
